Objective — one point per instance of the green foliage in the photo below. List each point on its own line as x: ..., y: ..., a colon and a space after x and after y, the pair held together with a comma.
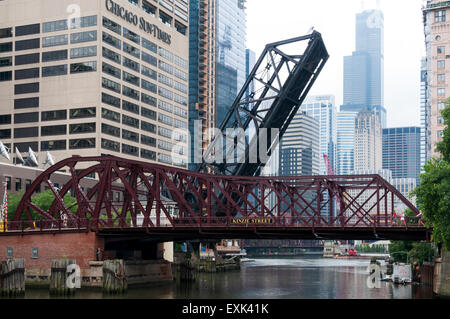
x: 433, y: 198
x: 433, y: 193
x: 397, y: 249
x: 444, y: 146
x: 42, y: 200
x: 420, y: 252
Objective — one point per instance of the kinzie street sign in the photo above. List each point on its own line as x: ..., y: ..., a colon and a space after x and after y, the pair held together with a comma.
x: 143, y: 24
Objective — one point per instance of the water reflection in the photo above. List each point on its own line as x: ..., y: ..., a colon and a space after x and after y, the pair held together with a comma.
x: 301, y: 278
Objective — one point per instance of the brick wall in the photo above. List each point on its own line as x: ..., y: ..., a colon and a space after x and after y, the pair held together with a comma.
x: 79, y: 246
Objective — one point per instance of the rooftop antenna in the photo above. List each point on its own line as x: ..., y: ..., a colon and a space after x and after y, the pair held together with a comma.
x: 4, y: 151
x: 19, y: 157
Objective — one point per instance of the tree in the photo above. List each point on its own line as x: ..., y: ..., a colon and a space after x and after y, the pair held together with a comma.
x: 399, y: 248
x: 433, y: 193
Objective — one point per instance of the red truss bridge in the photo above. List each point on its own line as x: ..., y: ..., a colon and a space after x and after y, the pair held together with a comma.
x: 145, y: 200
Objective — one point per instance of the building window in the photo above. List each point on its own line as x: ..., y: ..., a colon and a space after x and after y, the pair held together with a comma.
x: 83, y: 22
x: 6, y: 47
x: 131, y: 36
x: 111, y: 25
x: 130, y: 78
x: 130, y: 150
x: 83, y: 113
x: 53, y: 145
x: 149, y: 86
x: 26, y: 117
x: 27, y: 184
x: 55, y: 40
x: 147, y: 140
x: 82, y: 143
x: 83, y: 52
x: 6, y: 33
x: 28, y: 29
x: 111, y: 70
x: 131, y: 64
x: 165, y: 18
x: 26, y: 132
x: 5, y: 76
x: 5, y: 119
x: 148, y: 113
x: 110, y: 115
x: 110, y: 130
x: 112, y: 40
x: 147, y: 99
x: 130, y: 107
x: 441, y: 106
x: 149, y: 72
x: 82, y: 128
x: 148, y: 127
x: 18, y: 184
x: 165, y: 93
x: 5, y: 134
x: 165, y: 106
x: 166, y: 54
x: 441, y: 50
x: 26, y: 103
x: 54, y: 55
x: 441, y: 77
x: 439, y: 16
x: 110, y: 100
x: 27, y: 74
x: 34, y: 253
x: 25, y: 88
x: 131, y: 136
x: 113, y: 56
x: 181, y: 28
x: 147, y: 7
x: 83, y: 37
x: 54, y: 115
x: 53, y: 130
x: 165, y: 80
x: 9, y: 252
x: 6, y: 61
x: 83, y: 67
x: 130, y: 92
x: 150, y: 59
x: 148, y: 154
x: 111, y: 85
x: 441, y: 92
x: 440, y: 120
x: 441, y: 64
x: 130, y: 121
x: 165, y: 67
x: 110, y: 145
x: 28, y: 44
x: 131, y: 50
x: 54, y: 70
x: 149, y: 45
x: 8, y: 182
x: 54, y: 26
x: 27, y: 59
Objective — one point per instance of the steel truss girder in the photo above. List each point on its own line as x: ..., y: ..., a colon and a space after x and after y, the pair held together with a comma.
x: 282, y: 81
x: 171, y: 198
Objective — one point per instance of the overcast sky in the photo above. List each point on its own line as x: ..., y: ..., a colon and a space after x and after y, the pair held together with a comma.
x: 269, y: 21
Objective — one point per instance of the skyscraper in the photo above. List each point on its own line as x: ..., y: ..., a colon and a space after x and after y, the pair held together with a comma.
x: 401, y: 152
x: 368, y: 142
x: 299, y: 147
x: 322, y: 108
x: 217, y: 61
x: 230, y: 60
x: 425, y: 116
x: 99, y: 84
x: 364, y: 69
x: 437, y: 42
x: 345, y: 123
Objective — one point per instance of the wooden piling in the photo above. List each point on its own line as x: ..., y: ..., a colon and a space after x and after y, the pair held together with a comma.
x: 114, y: 279
x: 59, y: 276
x: 12, y: 277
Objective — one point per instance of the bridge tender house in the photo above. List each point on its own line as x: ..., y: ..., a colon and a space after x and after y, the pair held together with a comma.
x: 257, y: 221
x: 143, y: 24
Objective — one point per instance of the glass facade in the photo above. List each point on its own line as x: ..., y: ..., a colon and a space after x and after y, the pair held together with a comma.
x: 345, y: 123
x: 401, y: 152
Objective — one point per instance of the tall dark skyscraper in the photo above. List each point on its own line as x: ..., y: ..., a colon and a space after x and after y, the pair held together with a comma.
x: 364, y: 69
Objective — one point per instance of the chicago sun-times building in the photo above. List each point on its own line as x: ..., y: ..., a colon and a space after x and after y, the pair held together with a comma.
x: 93, y: 77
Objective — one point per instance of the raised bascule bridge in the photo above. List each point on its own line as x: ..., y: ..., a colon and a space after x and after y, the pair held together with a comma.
x: 134, y: 203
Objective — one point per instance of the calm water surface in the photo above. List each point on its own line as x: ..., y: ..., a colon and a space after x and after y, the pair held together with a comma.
x: 311, y: 278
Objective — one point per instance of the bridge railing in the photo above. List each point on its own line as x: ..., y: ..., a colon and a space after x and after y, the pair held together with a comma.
x: 186, y: 222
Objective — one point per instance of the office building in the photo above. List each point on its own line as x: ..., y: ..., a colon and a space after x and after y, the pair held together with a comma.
x: 401, y: 152
x: 322, y: 108
x: 112, y: 81
x: 437, y: 42
x: 425, y: 116
x: 364, y: 69
x: 345, y: 123
x: 368, y: 142
x: 299, y: 148
x: 217, y: 67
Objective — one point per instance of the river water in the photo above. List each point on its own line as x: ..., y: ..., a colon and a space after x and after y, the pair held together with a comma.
x: 293, y: 278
